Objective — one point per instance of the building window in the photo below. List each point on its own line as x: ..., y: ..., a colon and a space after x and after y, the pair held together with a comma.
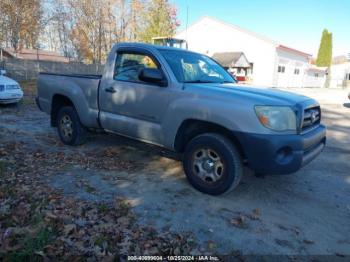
x: 296, y: 71
x: 347, y: 77
x: 281, y: 69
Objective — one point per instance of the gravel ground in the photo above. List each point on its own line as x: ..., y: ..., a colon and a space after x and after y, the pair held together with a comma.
x: 306, y: 213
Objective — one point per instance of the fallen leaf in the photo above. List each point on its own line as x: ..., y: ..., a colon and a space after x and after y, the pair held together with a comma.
x: 307, y: 241
x: 284, y: 243
x: 211, y: 244
x: 68, y: 229
x: 239, y: 222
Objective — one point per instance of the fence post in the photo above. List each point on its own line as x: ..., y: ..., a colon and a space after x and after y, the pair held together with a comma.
x: 26, y: 69
x: 37, y: 73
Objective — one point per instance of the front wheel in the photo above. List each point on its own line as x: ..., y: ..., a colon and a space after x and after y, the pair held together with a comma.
x: 212, y: 164
x: 70, y: 130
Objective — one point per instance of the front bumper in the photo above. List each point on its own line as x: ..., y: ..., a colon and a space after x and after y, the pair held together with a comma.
x: 282, y: 154
x: 9, y: 100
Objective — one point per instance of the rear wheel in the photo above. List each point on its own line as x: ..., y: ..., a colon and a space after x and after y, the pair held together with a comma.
x: 212, y: 164
x: 70, y: 130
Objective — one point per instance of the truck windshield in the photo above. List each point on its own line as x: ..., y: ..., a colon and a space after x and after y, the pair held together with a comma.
x: 195, y: 68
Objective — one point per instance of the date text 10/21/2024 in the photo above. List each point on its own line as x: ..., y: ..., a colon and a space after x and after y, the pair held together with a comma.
x: 172, y: 258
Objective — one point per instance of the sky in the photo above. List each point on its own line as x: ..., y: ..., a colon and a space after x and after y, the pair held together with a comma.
x: 295, y: 23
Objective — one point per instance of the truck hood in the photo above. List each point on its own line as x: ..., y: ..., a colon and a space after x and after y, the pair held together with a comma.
x: 262, y: 95
x: 7, y: 81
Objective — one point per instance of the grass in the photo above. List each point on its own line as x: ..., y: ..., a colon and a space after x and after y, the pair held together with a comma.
x: 100, y: 241
x: 30, y: 91
x: 2, y: 168
x: 27, y: 101
x: 29, y: 87
x: 33, y: 244
x: 90, y: 189
x: 103, y: 208
x: 124, y: 208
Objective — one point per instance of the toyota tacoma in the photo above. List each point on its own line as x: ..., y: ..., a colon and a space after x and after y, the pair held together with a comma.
x: 186, y: 102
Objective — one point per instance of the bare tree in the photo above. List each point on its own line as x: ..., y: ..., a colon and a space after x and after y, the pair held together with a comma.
x: 22, y: 22
x: 85, y: 29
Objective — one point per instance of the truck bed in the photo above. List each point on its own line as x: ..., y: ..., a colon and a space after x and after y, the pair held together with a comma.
x: 81, y: 89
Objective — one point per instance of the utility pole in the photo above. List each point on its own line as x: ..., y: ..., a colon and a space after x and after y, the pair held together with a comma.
x: 186, y: 22
x: 186, y: 40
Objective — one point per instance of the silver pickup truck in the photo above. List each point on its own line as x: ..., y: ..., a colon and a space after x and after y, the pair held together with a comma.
x: 186, y: 102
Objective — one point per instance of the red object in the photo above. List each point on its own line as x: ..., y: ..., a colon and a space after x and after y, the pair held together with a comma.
x: 240, y: 78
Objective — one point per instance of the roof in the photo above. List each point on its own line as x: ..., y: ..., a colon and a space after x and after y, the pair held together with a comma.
x: 256, y: 35
x: 227, y: 59
x: 317, y: 69
x: 341, y: 59
x: 32, y: 54
x: 289, y: 49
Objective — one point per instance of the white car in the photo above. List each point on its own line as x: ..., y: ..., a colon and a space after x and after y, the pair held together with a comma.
x: 10, y: 90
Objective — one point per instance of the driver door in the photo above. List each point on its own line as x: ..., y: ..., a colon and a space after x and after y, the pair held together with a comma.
x: 130, y: 106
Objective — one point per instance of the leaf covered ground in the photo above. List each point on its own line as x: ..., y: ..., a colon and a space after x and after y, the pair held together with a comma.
x: 38, y: 222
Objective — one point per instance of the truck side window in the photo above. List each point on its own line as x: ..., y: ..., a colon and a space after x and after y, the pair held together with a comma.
x: 129, y: 65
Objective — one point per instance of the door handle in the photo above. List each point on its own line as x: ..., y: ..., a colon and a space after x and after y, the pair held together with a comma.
x: 110, y: 90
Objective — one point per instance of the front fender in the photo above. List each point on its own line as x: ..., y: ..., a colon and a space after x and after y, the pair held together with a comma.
x: 195, y: 109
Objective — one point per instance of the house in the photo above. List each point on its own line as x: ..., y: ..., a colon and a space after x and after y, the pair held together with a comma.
x: 340, y: 75
x: 273, y: 64
x: 32, y: 54
x: 341, y: 59
x: 236, y: 63
x: 315, y: 76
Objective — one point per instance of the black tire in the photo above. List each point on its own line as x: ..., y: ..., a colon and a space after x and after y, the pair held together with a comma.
x: 230, y: 160
x: 78, y: 132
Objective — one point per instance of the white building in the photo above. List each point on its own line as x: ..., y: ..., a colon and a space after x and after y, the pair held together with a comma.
x: 340, y: 75
x: 273, y: 64
x: 315, y: 76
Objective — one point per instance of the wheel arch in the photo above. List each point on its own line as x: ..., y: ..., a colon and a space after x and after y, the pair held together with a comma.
x: 58, y: 101
x: 191, y: 128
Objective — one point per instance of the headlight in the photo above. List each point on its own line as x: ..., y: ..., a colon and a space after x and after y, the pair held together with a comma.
x: 278, y: 118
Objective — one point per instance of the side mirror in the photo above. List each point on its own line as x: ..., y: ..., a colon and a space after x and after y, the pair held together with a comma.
x: 152, y: 75
x: 2, y: 72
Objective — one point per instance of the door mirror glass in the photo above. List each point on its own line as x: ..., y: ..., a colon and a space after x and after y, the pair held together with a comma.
x: 152, y: 75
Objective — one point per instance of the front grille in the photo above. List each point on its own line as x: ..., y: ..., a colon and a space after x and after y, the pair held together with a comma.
x: 312, y: 118
x: 12, y: 87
